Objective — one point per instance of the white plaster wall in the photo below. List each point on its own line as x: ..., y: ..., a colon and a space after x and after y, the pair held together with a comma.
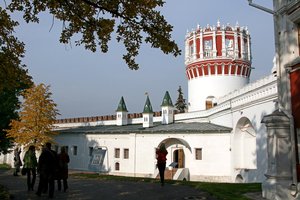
x: 81, y: 160
x: 201, y: 87
x: 215, y: 155
x: 141, y: 147
x: 255, y: 117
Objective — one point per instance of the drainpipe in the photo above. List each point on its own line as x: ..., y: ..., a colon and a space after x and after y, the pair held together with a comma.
x: 134, y: 167
x: 261, y: 7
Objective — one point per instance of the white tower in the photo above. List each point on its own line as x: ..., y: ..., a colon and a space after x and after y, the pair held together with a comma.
x: 218, y: 61
x: 122, y: 111
x: 167, y: 110
x: 148, y: 114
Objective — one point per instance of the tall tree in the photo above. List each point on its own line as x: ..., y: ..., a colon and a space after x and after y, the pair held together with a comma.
x: 14, y: 77
x: 37, y: 117
x: 180, y: 103
x: 95, y: 20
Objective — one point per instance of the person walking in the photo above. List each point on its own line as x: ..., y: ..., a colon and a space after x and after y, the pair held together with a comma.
x: 17, y: 161
x: 161, y: 156
x: 30, y: 164
x: 46, y: 167
x: 63, y: 160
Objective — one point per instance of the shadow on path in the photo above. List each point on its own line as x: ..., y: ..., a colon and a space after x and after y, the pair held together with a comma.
x: 84, y: 189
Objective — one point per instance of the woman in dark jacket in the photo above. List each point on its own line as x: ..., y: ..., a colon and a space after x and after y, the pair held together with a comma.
x: 63, y: 160
x: 161, y: 156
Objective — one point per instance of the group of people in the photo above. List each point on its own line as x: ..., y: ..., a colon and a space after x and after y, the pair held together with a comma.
x: 50, y: 166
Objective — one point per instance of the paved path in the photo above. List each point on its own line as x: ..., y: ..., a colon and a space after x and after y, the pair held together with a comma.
x: 85, y: 189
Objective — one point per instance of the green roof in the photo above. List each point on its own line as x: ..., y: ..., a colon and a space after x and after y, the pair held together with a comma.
x: 167, y: 100
x: 158, y: 128
x: 148, y: 106
x: 122, y: 106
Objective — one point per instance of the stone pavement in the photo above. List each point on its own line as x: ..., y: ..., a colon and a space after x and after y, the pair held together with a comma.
x: 85, y: 189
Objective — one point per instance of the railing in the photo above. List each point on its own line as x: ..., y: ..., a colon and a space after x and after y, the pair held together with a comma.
x: 182, y: 174
x: 260, y: 89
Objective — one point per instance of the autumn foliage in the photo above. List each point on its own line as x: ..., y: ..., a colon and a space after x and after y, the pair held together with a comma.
x: 37, y: 116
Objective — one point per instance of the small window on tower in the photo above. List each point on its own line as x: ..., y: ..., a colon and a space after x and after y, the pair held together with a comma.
x: 229, y: 47
x: 210, y: 102
x: 208, y: 48
x: 208, y: 44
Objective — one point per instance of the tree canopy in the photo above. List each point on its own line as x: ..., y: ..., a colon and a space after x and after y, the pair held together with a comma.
x: 14, y: 76
x: 36, y: 118
x: 180, y: 102
x: 134, y: 21
x: 93, y: 22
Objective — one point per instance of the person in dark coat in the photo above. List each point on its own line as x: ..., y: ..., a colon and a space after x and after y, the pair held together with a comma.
x: 63, y: 160
x: 161, y: 156
x: 17, y: 161
x: 30, y: 163
x: 47, y: 165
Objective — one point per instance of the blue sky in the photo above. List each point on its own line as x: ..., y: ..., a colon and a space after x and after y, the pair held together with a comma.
x: 91, y: 84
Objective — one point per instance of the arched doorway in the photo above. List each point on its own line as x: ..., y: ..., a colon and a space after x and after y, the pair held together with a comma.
x: 244, y: 145
x: 177, y: 149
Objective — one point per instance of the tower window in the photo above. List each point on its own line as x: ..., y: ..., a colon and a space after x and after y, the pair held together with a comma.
x: 229, y: 47
x: 208, y: 48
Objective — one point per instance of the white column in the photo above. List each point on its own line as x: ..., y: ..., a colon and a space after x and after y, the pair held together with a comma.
x: 194, y: 45
x: 187, y: 49
x: 201, y: 44
x: 249, y: 52
x: 223, y: 43
x: 236, y: 48
x: 214, y: 44
x: 242, y: 45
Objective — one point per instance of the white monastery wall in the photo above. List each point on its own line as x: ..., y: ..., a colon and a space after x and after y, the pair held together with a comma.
x: 141, y: 161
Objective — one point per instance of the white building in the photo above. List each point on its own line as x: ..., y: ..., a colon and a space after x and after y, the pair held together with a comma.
x: 221, y: 137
